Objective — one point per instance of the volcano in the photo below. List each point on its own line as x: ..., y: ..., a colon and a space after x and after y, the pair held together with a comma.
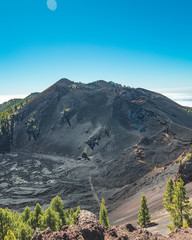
x: 88, y: 141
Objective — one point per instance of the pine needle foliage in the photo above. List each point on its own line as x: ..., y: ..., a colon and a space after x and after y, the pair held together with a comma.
x: 144, y: 215
x: 51, y: 219
x: 180, y: 209
x: 10, y: 236
x: 21, y: 226
x: 103, y: 219
x: 169, y: 193
x: 57, y: 206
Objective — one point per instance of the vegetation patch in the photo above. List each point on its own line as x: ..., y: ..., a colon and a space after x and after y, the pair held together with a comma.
x: 22, y: 226
x: 188, y: 157
x: 188, y: 110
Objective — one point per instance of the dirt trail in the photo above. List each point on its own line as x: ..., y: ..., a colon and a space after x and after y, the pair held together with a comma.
x: 92, y: 187
x: 93, y: 190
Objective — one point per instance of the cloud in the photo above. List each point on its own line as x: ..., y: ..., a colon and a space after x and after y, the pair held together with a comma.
x: 52, y: 5
x: 173, y: 90
x: 182, y: 96
x: 179, y: 96
x: 185, y: 103
x: 4, y: 98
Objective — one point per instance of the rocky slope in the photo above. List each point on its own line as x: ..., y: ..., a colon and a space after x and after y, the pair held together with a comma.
x: 127, y: 133
x: 88, y: 228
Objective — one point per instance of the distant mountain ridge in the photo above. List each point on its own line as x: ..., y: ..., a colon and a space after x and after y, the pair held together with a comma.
x: 6, y: 105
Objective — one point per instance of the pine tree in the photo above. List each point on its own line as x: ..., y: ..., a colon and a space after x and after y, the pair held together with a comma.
x: 57, y: 206
x: 144, y: 215
x: 169, y: 193
x: 78, y: 210
x: 103, y: 219
x: 85, y: 150
x: 180, y: 208
x: 38, y: 211
x: 75, y: 215
x: 24, y: 231
x: 67, y: 216
x: 50, y: 219
x: 26, y: 214
x: 34, y: 220
x: 6, y: 222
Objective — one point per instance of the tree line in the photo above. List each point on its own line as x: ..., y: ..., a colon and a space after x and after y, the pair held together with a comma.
x: 21, y: 226
x: 8, y: 112
x: 15, y: 226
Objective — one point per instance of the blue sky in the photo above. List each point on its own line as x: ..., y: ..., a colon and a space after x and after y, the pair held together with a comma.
x: 139, y: 43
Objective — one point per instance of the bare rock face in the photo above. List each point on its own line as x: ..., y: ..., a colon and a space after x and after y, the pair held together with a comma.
x: 185, y: 169
x: 88, y: 228
x: 129, y: 232
x: 4, y: 143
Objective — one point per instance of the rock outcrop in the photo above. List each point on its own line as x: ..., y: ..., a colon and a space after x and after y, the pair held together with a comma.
x: 88, y: 228
x: 185, y: 169
x: 181, y: 234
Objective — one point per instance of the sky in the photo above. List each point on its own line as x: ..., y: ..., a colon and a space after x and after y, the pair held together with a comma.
x: 138, y: 43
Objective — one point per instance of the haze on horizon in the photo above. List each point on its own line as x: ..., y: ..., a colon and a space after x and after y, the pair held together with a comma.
x: 140, y: 43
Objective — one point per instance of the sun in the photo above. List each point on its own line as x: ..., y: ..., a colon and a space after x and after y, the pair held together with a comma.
x: 52, y: 5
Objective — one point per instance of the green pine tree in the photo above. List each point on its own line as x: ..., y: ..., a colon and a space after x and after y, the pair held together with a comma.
x: 103, y: 219
x: 38, y: 211
x: 26, y: 214
x: 57, y: 206
x: 85, y: 150
x: 24, y: 232
x: 50, y: 219
x: 6, y: 222
x: 180, y: 209
x: 34, y: 220
x: 169, y: 193
x: 74, y: 218
x: 144, y: 215
x: 67, y: 216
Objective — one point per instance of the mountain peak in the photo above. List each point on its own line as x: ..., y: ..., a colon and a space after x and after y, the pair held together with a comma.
x: 64, y: 82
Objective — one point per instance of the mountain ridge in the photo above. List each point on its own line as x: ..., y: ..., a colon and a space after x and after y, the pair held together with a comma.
x: 126, y: 133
